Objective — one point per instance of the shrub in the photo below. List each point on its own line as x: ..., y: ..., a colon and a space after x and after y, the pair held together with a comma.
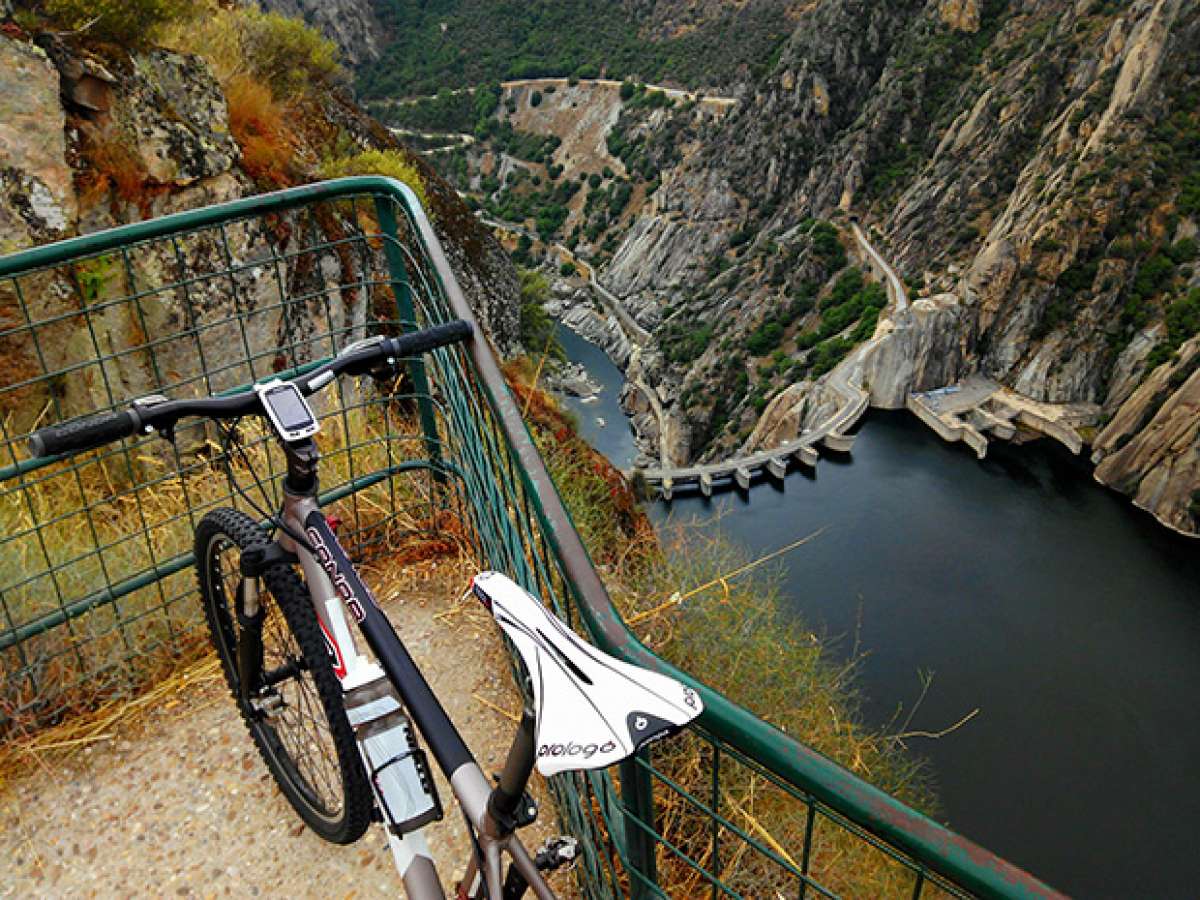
x: 1189, y: 195
x: 286, y: 53
x: 127, y: 22
x: 827, y: 246
x: 288, y: 56
x: 537, y: 328
x: 683, y: 347
x: 849, y: 284
x: 567, y: 270
x: 627, y: 90
x: 1182, y: 251
x: 765, y: 338
x: 535, y: 99
x: 1153, y: 275
x: 391, y: 163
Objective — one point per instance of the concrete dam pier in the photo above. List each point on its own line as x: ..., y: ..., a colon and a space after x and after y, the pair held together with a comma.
x: 741, y: 472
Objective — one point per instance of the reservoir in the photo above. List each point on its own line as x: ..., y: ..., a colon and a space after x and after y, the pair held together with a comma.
x: 1069, y: 619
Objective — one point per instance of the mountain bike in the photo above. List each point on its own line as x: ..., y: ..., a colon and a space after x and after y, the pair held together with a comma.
x: 333, y: 726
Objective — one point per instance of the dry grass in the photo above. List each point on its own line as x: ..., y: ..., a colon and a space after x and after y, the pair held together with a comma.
x: 289, y: 57
x: 419, y: 567
x: 733, y: 633
x: 259, y: 124
x: 113, y: 164
x: 126, y: 22
x: 74, y: 527
x: 49, y: 747
x: 269, y: 68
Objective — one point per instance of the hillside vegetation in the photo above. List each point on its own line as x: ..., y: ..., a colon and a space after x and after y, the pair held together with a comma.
x: 460, y: 43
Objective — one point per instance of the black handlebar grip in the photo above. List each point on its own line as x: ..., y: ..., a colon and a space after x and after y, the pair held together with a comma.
x: 84, y: 433
x: 431, y: 338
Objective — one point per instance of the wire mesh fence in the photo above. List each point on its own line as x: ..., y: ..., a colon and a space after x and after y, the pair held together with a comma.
x: 97, y: 590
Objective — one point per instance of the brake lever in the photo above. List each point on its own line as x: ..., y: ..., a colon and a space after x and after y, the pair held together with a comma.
x: 148, y: 402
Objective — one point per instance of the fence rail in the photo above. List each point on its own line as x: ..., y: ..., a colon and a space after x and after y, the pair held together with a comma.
x: 95, y: 558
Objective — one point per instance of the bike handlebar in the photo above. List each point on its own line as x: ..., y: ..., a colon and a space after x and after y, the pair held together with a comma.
x: 360, y: 358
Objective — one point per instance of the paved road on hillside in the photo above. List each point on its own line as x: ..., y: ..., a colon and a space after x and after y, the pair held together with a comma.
x: 673, y: 93
x: 894, y: 285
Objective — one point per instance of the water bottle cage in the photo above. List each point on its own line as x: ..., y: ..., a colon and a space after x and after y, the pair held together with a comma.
x: 433, y: 814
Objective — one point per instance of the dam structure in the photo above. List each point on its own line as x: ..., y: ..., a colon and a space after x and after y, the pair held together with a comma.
x: 832, y: 435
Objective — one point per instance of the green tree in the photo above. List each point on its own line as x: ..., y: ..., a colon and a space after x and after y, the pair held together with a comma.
x: 537, y: 328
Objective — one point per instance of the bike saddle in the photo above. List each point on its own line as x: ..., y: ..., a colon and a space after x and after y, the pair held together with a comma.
x: 592, y: 710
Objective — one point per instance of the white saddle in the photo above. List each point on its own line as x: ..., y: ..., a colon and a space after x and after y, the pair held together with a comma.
x: 592, y: 710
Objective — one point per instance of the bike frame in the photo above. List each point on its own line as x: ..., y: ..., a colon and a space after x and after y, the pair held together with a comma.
x: 335, y: 588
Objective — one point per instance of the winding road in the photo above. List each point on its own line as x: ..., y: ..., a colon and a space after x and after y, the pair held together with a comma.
x: 673, y: 93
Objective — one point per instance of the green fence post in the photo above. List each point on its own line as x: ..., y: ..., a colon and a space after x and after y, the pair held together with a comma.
x: 402, y: 290
x: 637, y: 798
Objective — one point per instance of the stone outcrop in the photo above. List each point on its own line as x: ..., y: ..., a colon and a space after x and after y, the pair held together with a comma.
x: 961, y: 15
x: 925, y: 348
x: 1151, y: 447
x: 578, y: 312
x: 37, y: 189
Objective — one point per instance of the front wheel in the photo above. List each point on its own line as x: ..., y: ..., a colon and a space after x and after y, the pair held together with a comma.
x: 278, y: 668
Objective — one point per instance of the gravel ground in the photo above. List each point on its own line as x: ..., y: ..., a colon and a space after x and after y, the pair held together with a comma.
x: 182, y: 805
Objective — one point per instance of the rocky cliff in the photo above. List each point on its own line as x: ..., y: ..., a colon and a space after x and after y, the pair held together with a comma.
x: 1040, y: 162
x: 93, y: 136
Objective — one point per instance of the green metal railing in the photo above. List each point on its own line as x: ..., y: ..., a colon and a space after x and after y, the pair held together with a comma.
x: 96, y: 588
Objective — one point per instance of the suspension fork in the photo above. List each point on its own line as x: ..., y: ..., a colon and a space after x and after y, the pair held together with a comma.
x: 249, y: 615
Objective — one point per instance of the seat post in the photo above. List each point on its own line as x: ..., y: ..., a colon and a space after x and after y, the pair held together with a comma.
x: 504, y: 804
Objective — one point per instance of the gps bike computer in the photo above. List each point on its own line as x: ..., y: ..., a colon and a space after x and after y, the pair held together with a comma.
x: 287, y: 409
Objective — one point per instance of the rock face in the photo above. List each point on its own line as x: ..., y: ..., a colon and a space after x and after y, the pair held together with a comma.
x: 1036, y: 161
x: 924, y: 349
x: 351, y: 24
x: 1151, y: 448
x: 961, y: 15
x: 37, y: 190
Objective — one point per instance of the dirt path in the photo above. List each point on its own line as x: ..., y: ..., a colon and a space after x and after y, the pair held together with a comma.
x: 182, y: 805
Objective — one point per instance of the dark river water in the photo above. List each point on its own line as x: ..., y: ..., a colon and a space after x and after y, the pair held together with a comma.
x: 602, y: 422
x: 1068, y: 618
